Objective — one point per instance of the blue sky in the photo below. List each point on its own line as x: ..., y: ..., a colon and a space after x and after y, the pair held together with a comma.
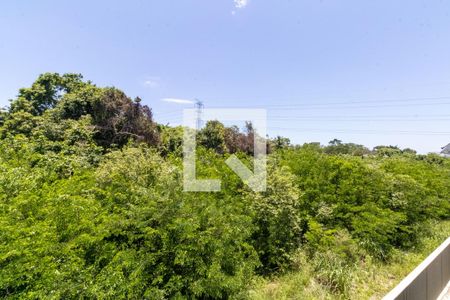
x: 369, y: 72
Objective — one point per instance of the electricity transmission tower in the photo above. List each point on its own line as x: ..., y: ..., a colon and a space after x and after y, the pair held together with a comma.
x: 199, y: 107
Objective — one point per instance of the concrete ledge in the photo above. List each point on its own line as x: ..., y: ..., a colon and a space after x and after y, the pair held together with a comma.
x: 428, y: 280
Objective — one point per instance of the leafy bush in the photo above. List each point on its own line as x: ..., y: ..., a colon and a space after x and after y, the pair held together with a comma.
x: 278, y: 219
x: 92, y: 203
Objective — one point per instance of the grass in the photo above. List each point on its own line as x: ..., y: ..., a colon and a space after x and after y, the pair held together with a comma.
x: 369, y: 279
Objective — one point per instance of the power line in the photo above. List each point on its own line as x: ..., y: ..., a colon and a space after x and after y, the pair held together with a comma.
x: 383, y: 103
x: 310, y: 107
x: 364, y: 131
x: 343, y: 119
x: 365, y: 101
x: 309, y: 119
x: 354, y: 102
x: 365, y: 116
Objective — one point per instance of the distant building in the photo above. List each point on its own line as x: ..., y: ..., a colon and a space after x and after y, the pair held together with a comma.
x: 446, y: 151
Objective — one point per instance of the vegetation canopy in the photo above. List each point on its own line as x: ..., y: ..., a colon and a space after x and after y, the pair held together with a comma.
x: 92, y: 205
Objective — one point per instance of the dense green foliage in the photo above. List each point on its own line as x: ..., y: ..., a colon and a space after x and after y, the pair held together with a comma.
x: 92, y: 204
x: 367, y: 279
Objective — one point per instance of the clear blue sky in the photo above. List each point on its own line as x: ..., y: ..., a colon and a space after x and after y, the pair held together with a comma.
x: 310, y: 63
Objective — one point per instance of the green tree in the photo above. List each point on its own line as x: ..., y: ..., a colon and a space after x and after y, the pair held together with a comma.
x: 212, y: 136
x: 45, y: 92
